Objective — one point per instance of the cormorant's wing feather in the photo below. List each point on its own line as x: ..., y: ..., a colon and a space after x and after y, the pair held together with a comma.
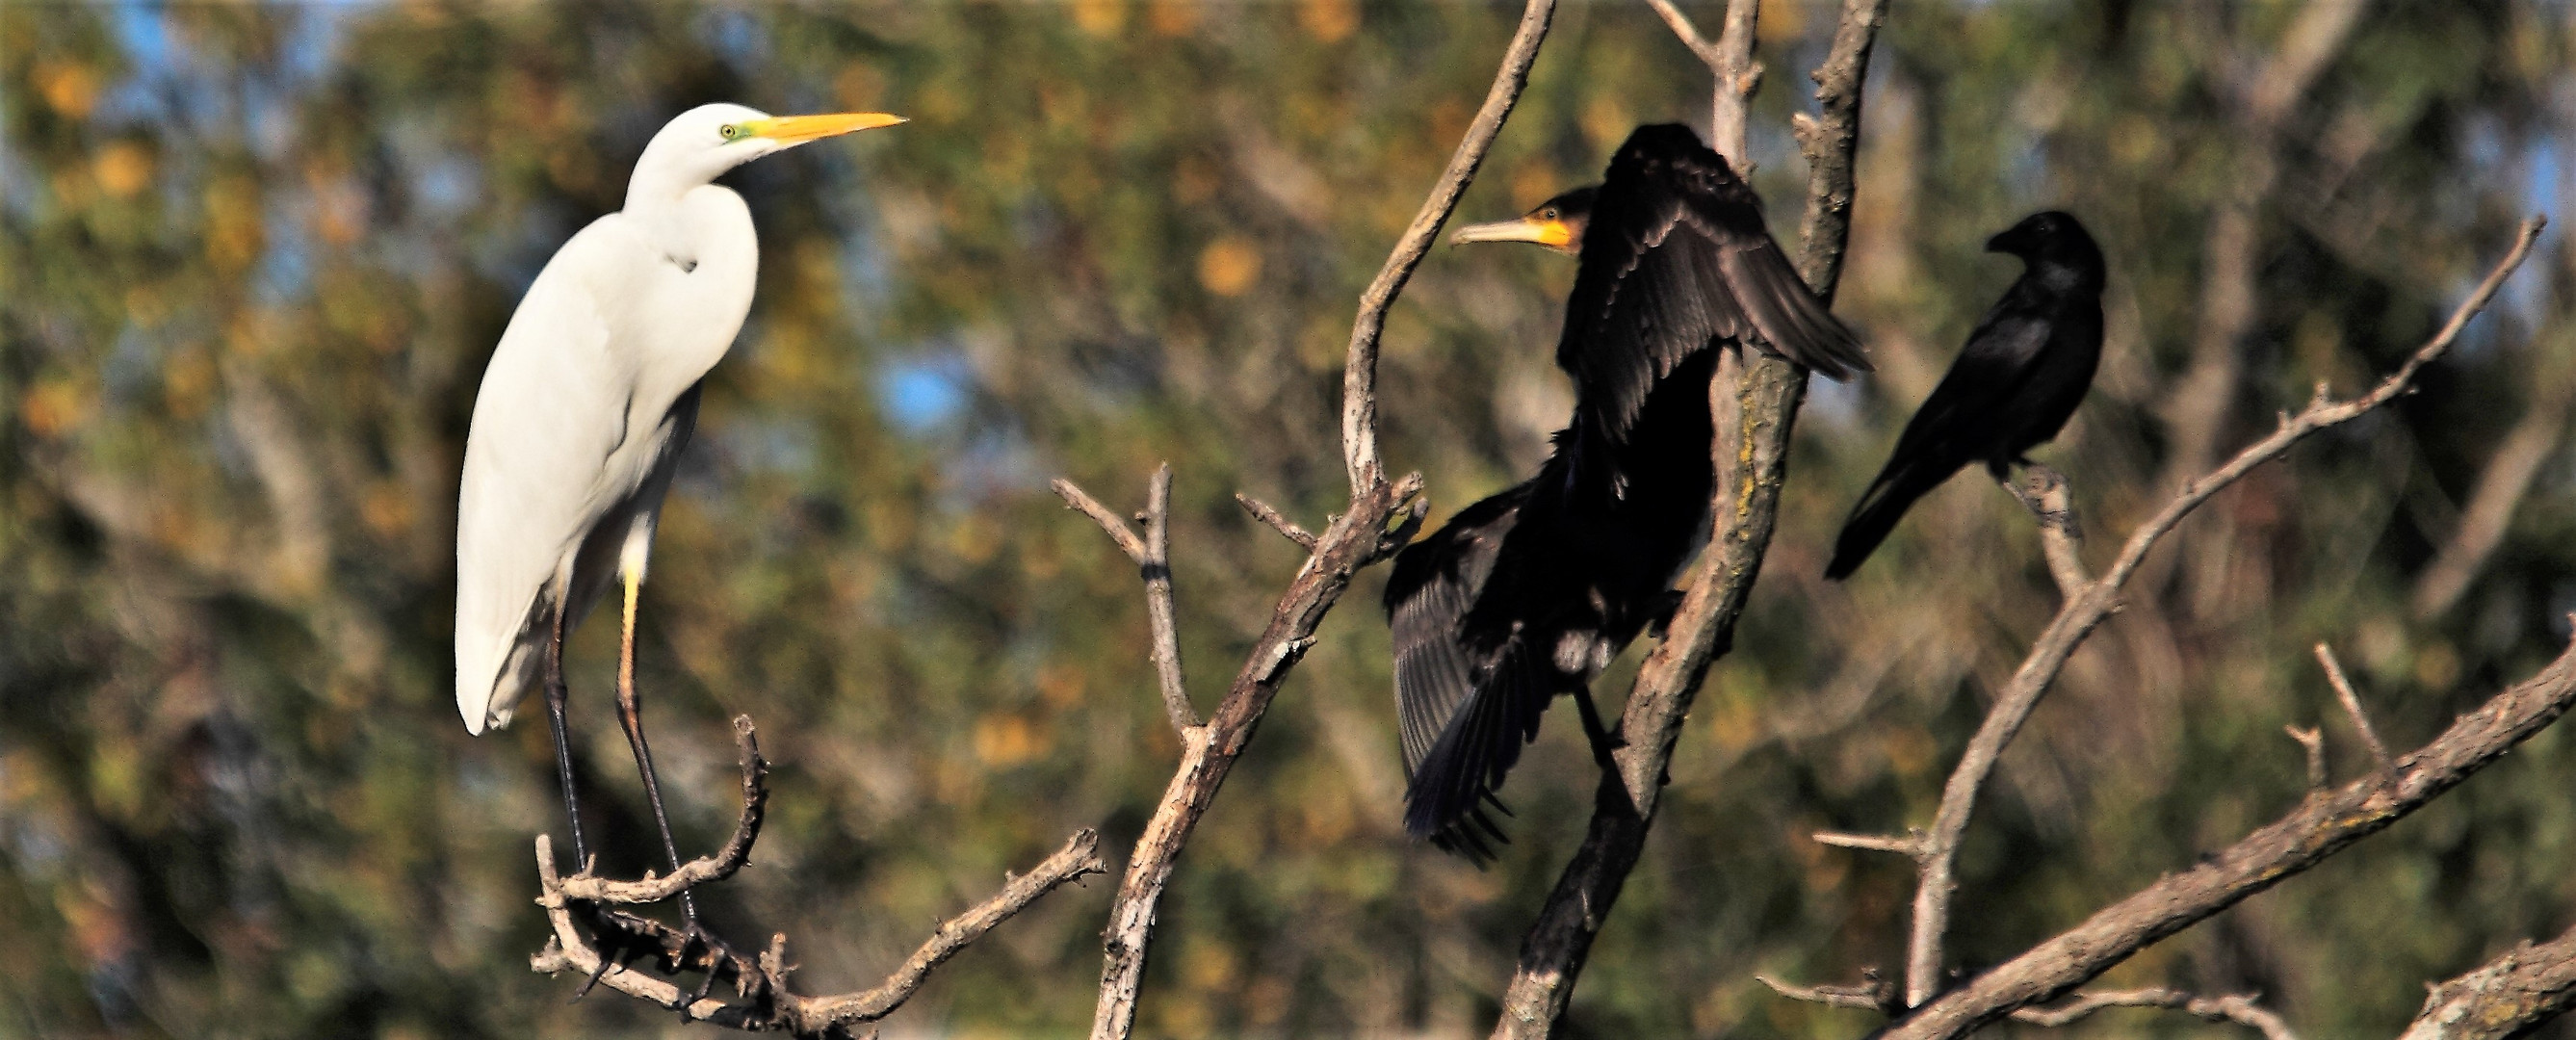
x: 1676, y: 257
x: 1432, y: 585
x: 1476, y: 751
x: 1465, y: 710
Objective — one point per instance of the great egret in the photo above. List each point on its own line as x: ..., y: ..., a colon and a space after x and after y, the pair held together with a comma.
x: 583, y: 412
x: 1530, y: 593
x: 2015, y: 384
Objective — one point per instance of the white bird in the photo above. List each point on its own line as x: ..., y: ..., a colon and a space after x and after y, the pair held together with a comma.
x: 583, y: 412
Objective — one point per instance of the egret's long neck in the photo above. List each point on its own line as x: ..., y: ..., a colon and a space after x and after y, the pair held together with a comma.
x: 653, y: 202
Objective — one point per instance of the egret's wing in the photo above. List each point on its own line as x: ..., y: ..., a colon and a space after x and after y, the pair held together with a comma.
x: 552, y: 407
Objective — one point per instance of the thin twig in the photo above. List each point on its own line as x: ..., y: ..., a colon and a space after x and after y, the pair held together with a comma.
x: 589, y: 887
x: 2061, y: 538
x: 1359, y: 372
x: 2313, y: 738
x: 2321, y: 825
x: 2239, y: 1008
x: 1909, y: 846
x: 1873, y: 994
x: 602, y: 943
x: 1108, y: 519
x: 1382, y: 516
x: 1689, y: 34
x: 2352, y: 705
x: 1744, y: 511
x: 1262, y: 511
x: 1157, y: 566
x: 2081, y: 613
x: 764, y: 1002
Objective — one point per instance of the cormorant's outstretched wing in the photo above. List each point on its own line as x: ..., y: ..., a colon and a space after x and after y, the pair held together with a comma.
x: 1455, y: 728
x: 1676, y: 256
x: 1971, y: 413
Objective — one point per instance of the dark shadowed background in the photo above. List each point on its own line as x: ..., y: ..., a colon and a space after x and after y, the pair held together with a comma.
x: 255, y: 257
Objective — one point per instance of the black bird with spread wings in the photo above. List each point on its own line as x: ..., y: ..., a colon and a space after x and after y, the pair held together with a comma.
x: 1530, y: 593
x: 2013, y: 387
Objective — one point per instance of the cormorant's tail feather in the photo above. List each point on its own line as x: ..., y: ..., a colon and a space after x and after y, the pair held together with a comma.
x: 1878, y: 511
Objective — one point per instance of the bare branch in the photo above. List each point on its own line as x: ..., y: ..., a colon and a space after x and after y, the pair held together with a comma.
x: 1730, y: 61
x: 1153, y: 556
x: 1689, y: 34
x: 1116, y: 527
x: 588, y: 887
x: 1910, y: 846
x: 2312, y: 738
x: 2061, y: 539
x: 2321, y: 825
x: 1080, y: 856
x: 1157, y: 565
x: 2240, y: 1009
x: 2352, y: 705
x: 1262, y: 511
x: 1359, y: 373
x: 763, y: 1001
x: 2504, y: 997
x: 1755, y: 451
x: 1381, y: 517
x: 1873, y: 994
x: 602, y: 943
x: 2081, y: 613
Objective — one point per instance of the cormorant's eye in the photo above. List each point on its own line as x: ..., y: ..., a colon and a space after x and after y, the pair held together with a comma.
x: 1547, y: 214
x: 731, y: 131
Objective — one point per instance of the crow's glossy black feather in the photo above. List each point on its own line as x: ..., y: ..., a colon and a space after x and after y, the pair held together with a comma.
x: 2025, y: 368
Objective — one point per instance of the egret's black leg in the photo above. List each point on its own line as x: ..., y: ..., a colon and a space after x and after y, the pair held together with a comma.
x: 555, y: 696
x: 1602, y: 742
x: 630, y: 714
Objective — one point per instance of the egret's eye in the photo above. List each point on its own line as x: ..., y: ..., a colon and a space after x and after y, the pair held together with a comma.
x: 732, y: 131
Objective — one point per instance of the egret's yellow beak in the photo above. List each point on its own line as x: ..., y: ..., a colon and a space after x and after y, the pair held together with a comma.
x: 1554, y: 234
x: 800, y: 129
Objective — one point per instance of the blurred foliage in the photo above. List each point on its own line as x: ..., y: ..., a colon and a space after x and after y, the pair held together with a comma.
x: 255, y: 257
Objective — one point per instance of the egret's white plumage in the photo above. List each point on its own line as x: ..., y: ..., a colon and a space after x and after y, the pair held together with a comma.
x: 593, y: 391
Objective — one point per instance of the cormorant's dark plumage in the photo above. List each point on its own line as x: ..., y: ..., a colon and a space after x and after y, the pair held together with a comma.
x: 1530, y: 593
x: 2013, y: 387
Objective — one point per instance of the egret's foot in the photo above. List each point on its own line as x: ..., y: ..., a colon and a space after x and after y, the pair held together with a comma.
x: 606, y: 960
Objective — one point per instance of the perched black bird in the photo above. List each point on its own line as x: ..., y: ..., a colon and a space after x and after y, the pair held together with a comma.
x: 1530, y: 593
x: 2015, y: 384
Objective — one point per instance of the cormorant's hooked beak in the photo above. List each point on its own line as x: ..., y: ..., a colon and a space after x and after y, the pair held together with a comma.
x: 789, y: 131
x: 1554, y: 234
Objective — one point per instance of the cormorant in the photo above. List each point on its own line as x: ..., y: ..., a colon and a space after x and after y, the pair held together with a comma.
x: 2013, y: 387
x: 1529, y: 593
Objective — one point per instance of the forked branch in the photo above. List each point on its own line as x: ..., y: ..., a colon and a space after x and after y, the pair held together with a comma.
x: 2085, y: 609
x: 1383, y: 515
x: 1753, y: 453
x: 605, y: 944
x: 2323, y: 823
